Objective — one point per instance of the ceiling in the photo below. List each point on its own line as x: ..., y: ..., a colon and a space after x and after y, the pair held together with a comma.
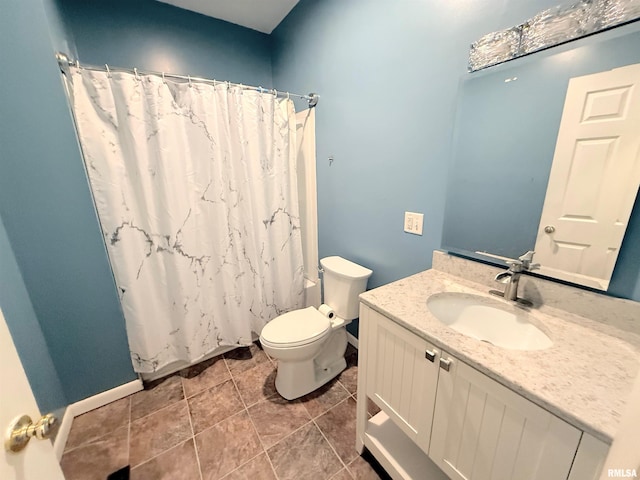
x: 261, y: 15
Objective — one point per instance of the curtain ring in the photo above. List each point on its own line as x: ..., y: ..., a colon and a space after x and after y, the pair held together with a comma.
x: 241, y: 89
x: 275, y: 93
x: 288, y: 96
x: 228, y: 85
x: 108, y: 71
x: 164, y: 80
x: 135, y: 71
x: 190, y: 84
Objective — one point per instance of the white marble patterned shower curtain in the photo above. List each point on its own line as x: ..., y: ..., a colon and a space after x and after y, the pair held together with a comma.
x: 195, y: 187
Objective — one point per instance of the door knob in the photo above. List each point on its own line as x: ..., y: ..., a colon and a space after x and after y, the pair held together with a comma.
x: 549, y: 229
x: 23, y: 429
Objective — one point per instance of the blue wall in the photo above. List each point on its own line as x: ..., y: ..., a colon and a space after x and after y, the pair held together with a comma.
x: 155, y: 36
x: 26, y: 332
x: 48, y: 215
x: 387, y: 74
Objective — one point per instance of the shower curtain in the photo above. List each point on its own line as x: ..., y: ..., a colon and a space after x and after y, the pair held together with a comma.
x: 195, y: 188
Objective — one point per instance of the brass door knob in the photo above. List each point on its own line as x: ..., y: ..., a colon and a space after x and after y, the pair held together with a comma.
x: 23, y: 429
x: 549, y: 229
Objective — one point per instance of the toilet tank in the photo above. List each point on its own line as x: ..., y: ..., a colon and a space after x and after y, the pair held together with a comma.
x: 343, y: 282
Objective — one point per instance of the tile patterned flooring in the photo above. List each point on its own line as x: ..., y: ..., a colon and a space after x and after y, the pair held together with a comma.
x: 223, y: 419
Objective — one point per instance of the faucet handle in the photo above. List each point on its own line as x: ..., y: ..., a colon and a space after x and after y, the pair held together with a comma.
x: 526, y: 260
x: 527, y: 257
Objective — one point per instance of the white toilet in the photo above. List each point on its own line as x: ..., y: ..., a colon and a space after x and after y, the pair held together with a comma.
x: 308, y: 345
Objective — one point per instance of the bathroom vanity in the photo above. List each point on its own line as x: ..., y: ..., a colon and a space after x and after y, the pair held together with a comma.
x: 452, y: 406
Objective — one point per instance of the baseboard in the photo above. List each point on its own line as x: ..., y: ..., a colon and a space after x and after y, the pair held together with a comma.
x: 352, y: 340
x: 101, y: 399
x: 88, y: 404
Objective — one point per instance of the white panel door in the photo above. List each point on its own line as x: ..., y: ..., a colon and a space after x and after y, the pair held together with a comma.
x: 37, y: 461
x: 484, y: 431
x: 402, y: 375
x: 594, y: 178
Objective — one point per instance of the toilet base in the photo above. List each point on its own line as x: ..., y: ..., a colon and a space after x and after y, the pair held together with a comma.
x: 295, y: 379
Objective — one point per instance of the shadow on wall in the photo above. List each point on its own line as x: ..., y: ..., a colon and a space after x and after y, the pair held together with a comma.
x: 26, y: 332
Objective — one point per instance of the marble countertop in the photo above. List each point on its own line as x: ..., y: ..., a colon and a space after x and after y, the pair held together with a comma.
x: 585, y: 378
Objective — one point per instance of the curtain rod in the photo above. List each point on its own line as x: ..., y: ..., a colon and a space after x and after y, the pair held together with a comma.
x: 65, y: 62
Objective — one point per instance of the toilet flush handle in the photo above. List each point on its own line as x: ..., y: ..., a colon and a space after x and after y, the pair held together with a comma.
x: 337, y: 322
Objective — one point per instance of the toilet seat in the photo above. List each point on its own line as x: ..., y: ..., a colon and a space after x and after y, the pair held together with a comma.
x: 296, y: 328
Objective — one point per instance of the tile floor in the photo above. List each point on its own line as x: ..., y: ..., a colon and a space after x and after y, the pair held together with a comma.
x: 223, y: 419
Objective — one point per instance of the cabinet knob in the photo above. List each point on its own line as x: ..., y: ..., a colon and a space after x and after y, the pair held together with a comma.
x: 430, y: 355
x: 445, y: 364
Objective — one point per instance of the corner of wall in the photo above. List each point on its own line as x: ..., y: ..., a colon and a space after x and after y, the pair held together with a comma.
x: 26, y: 332
x: 61, y: 36
x: 50, y: 223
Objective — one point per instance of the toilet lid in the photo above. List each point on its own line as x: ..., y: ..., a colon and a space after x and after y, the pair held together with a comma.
x: 295, y: 328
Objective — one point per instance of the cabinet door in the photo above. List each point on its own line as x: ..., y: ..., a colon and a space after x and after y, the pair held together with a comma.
x: 402, y: 373
x: 482, y: 430
x: 589, y: 459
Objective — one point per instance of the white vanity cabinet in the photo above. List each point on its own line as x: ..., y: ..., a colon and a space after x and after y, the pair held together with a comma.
x: 436, y: 410
x: 483, y: 430
x: 402, y: 377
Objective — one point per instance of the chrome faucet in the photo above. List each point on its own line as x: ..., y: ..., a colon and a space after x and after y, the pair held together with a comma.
x: 511, y: 277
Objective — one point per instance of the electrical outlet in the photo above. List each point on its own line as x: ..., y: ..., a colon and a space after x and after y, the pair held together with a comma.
x: 413, y: 222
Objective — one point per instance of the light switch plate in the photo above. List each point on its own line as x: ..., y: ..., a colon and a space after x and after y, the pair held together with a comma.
x: 413, y: 222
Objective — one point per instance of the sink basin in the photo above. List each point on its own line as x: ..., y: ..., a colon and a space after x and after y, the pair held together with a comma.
x: 488, y: 320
